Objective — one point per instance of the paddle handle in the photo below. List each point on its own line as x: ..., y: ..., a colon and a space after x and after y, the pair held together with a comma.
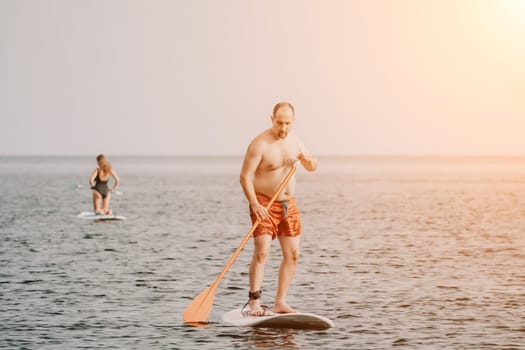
x: 254, y: 226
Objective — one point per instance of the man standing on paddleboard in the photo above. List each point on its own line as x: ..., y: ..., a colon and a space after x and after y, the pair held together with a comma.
x: 268, y: 159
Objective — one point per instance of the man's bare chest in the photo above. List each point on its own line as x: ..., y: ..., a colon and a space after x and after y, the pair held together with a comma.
x: 279, y: 155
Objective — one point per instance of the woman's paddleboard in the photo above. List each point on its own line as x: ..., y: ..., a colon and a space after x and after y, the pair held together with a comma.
x: 89, y: 215
x: 298, y: 320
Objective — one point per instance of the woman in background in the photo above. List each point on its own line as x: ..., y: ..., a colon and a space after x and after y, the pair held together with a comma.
x: 99, y: 184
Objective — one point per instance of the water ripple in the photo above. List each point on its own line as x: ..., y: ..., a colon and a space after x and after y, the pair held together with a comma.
x: 418, y: 261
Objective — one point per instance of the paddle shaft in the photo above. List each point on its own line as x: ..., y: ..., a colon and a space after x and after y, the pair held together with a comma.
x: 198, y: 310
x: 254, y: 226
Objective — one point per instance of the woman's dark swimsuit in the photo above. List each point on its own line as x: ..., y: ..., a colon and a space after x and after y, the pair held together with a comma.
x: 101, y: 187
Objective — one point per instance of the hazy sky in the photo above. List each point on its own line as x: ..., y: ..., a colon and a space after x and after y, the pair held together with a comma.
x: 200, y: 77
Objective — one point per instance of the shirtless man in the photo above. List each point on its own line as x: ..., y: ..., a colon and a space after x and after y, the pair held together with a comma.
x: 268, y: 159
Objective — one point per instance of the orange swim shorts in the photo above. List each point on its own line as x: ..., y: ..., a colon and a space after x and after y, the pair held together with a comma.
x: 283, y: 218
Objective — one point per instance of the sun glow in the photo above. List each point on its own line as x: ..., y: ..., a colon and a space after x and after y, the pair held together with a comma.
x: 512, y: 14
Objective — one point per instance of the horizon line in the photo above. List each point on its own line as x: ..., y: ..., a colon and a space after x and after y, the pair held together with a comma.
x: 435, y: 155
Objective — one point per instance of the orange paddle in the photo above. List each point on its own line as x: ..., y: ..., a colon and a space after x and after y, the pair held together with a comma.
x: 199, y: 309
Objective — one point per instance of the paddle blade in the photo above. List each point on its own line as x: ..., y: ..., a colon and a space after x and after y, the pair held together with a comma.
x: 200, y: 307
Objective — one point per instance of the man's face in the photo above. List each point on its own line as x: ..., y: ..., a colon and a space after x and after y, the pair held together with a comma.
x: 282, y: 122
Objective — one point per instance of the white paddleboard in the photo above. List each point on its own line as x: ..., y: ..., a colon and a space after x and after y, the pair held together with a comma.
x: 299, y: 320
x: 89, y: 215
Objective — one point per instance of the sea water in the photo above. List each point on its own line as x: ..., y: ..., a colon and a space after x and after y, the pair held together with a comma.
x: 400, y: 252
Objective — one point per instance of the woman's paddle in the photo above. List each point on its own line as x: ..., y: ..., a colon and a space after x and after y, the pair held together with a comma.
x: 199, y: 309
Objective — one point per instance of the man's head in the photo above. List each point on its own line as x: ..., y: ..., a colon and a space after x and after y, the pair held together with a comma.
x: 282, y: 119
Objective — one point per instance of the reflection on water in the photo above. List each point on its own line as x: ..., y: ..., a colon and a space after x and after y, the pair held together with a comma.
x: 398, y: 253
x: 267, y: 338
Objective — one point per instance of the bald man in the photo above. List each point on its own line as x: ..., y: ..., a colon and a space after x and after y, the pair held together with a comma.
x: 268, y: 159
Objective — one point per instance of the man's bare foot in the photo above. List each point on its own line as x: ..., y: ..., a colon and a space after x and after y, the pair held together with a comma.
x: 283, y: 309
x: 255, y: 308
